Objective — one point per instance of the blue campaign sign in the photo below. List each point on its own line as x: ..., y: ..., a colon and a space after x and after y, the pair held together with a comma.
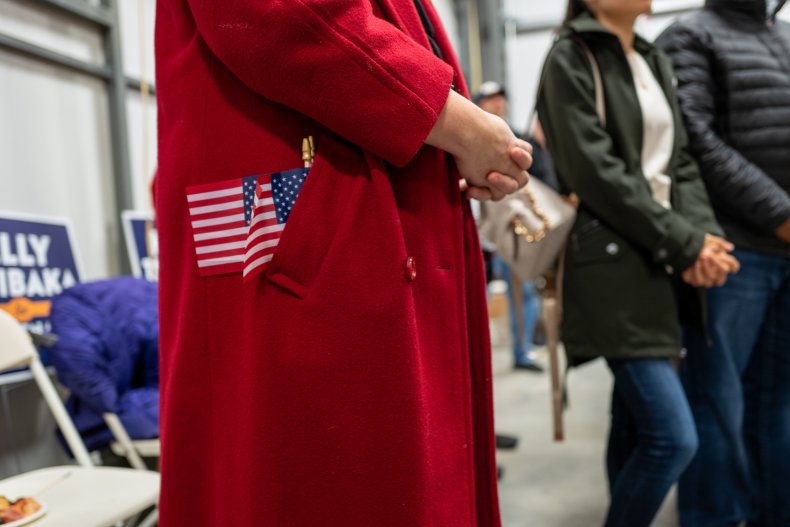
x: 142, y: 243
x: 37, y: 262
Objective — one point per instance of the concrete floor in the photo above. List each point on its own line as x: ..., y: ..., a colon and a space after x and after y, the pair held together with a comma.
x: 548, y: 484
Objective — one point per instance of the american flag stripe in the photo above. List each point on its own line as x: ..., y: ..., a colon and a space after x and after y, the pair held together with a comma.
x: 213, y: 208
x: 203, y: 248
x: 261, y: 251
x: 257, y: 223
x: 218, y: 213
x: 218, y: 260
x: 214, y: 239
x: 255, y: 265
x: 220, y: 266
x: 220, y: 255
x: 222, y: 220
x: 213, y: 191
x: 266, y: 230
x: 220, y: 247
x: 267, y: 216
x: 264, y: 244
x: 213, y: 235
x: 224, y: 214
x: 212, y: 195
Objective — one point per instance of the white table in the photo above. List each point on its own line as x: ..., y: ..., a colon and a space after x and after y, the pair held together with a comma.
x: 85, y: 497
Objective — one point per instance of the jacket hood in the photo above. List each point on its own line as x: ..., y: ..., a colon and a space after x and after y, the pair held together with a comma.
x: 754, y: 9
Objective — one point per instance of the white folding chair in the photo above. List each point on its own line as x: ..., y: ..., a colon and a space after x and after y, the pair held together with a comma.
x: 132, y: 449
x: 82, y: 495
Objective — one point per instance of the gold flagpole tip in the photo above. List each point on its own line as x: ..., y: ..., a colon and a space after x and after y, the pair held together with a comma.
x: 308, y: 151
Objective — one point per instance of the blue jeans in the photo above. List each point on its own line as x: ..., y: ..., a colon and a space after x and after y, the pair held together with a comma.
x: 522, y: 342
x: 739, y: 391
x: 651, y: 440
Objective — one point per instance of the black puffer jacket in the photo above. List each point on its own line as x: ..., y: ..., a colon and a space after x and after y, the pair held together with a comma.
x: 732, y: 62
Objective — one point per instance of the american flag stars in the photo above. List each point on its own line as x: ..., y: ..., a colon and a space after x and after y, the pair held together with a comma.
x: 286, y: 187
x: 248, y: 186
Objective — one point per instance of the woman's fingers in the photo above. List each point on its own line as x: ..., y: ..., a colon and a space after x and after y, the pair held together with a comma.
x: 497, y: 195
x: 717, y: 274
x: 689, y: 276
x: 521, y: 156
x: 502, y: 184
x: 526, y: 145
x: 521, y: 178
x: 713, y: 268
x: 729, y: 263
x: 723, y: 261
x: 705, y: 275
x: 478, y: 193
x: 522, y: 160
x: 719, y: 243
x: 735, y: 265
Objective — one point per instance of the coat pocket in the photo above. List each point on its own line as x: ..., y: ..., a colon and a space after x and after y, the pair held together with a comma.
x: 315, y: 217
x: 594, y: 243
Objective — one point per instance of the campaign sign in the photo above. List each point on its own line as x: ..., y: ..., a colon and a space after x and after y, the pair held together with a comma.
x: 37, y: 262
x: 142, y: 244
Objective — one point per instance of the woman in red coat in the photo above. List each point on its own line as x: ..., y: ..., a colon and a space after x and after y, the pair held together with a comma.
x: 349, y: 383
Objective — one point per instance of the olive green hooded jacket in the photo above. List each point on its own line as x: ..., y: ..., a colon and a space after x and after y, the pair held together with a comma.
x: 619, y: 292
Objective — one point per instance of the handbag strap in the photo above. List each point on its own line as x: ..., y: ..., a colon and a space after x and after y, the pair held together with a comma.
x: 429, y: 29
x: 600, y: 103
x: 521, y: 229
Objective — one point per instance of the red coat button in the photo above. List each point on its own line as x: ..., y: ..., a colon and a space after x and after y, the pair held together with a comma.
x: 411, y: 268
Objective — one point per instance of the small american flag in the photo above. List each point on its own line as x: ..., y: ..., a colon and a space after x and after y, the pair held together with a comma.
x: 276, y: 196
x: 236, y: 224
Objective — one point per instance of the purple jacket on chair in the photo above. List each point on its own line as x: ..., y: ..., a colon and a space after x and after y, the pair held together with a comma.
x: 107, y: 355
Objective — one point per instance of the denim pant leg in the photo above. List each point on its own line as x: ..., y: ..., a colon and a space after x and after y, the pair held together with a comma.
x: 522, y: 343
x: 666, y: 440
x: 623, y: 438
x: 531, y: 301
x: 716, y: 489
x: 767, y: 422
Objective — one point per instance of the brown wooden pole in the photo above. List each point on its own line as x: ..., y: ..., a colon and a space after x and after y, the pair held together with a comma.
x: 551, y: 320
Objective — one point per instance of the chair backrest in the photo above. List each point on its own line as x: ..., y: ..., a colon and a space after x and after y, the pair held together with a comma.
x: 17, y: 351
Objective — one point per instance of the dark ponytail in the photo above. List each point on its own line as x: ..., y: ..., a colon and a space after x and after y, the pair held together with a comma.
x: 575, y: 8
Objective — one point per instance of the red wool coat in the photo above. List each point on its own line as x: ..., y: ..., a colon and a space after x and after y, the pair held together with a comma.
x: 330, y: 390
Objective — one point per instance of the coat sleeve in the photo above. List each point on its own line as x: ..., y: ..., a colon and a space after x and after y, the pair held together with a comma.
x: 585, y: 160
x: 336, y: 62
x: 691, y: 197
x: 737, y: 187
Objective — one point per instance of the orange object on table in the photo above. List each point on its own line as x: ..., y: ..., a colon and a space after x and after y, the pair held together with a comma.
x: 11, y: 511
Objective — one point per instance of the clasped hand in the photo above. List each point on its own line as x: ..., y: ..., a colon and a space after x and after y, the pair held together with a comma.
x: 492, y: 161
x: 714, y: 264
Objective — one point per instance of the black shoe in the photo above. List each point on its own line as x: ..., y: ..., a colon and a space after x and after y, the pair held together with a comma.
x: 506, y: 442
x: 529, y: 366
